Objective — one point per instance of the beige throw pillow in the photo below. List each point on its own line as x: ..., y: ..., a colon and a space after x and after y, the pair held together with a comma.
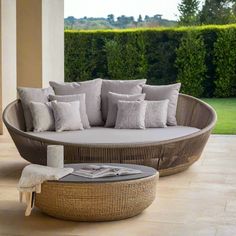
x: 92, y: 89
x: 28, y: 95
x: 121, y: 87
x: 131, y: 115
x: 156, y: 114
x: 72, y: 98
x: 43, y: 119
x: 113, y: 99
x: 67, y: 116
x: 162, y: 92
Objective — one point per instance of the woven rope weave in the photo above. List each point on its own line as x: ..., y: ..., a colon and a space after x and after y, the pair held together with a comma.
x: 96, y: 201
x: 168, y: 157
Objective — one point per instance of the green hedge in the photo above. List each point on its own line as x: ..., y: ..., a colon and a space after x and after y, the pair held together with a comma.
x: 190, y: 63
x: 225, y: 60
x: 203, y: 58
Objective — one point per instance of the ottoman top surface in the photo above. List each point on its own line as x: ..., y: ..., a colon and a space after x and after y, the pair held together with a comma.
x: 146, y: 172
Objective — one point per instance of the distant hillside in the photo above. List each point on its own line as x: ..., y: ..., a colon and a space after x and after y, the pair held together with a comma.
x: 122, y: 22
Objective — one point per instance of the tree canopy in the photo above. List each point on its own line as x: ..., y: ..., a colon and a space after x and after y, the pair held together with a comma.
x: 218, y: 12
x: 188, y: 12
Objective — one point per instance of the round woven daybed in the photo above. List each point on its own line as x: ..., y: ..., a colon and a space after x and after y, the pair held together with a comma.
x: 169, y: 150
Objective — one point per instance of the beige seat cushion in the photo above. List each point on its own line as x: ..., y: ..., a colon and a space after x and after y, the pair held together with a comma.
x: 101, y: 135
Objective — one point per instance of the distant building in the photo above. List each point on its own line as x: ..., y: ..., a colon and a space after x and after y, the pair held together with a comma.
x: 157, y: 16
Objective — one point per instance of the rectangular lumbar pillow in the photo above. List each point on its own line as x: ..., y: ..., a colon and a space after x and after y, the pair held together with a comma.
x: 92, y: 89
x: 162, y: 92
x: 28, y: 95
x: 156, y: 114
x: 131, y: 115
x: 67, y: 116
x: 119, y: 86
x: 72, y: 98
x: 42, y: 114
x: 113, y: 99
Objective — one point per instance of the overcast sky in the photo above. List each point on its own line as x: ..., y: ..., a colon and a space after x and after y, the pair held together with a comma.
x: 101, y: 8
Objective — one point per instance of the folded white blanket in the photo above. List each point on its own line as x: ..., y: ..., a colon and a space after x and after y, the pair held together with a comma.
x: 31, y: 179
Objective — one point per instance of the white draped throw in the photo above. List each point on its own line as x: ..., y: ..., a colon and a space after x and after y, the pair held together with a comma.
x: 31, y: 179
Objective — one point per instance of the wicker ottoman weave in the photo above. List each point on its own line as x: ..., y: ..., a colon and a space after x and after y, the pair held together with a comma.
x: 105, y: 199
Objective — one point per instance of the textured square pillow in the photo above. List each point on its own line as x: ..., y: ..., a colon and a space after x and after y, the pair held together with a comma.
x: 162, y: 92
x: 156, y: 114
x: 131, y: 115
x: 72, y: 98
x: 43, y: 119
x: 121, y: 87
x: 113, y: 99
x: 92, y: 89
x: 67, y: 116
x: 28, y: 95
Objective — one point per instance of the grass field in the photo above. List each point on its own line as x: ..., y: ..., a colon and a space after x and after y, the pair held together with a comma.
x: 226, y: 113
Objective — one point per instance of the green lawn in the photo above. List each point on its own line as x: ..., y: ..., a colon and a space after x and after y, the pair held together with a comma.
x: 226, y: 113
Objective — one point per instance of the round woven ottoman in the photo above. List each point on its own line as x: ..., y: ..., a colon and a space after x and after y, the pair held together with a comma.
x: 102, y: 199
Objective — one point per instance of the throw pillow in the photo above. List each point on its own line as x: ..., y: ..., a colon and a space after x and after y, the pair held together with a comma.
x: 73, y: 98
x: 131, y: 115
x: 113, y: 99
x: 162, y: 92
x: 28, y: 95
x: 121, y: 87
x: 67, y: 116
x: 92, y: 89
x: 156, y: 114
x: 43, y: 119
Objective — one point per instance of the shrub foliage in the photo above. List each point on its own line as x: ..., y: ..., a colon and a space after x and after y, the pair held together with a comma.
x: 202, y: 58
x: 225, y: 60
x: 126, y: 57
x: 190, y: 62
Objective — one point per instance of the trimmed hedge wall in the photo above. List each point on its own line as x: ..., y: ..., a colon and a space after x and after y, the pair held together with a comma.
x: 190, y: 63
x: 203, y: 58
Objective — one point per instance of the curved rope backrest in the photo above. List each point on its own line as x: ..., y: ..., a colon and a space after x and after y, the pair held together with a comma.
x: 195, y: 113
x: 13, y: 116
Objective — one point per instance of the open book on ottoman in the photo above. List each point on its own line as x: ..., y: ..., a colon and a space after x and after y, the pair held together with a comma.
x: 99, y: 171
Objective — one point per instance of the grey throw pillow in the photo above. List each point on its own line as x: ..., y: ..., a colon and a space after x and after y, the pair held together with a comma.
x: 43, y: 119
x: 92, y: 89
x: 121, y: 87
x: 67, y: 116
x: 162, y: 92
x: 113, y: 99
x: 28, y: 95
x: 131, y: 115
x: 156, y: 114
x: 72, y: 98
